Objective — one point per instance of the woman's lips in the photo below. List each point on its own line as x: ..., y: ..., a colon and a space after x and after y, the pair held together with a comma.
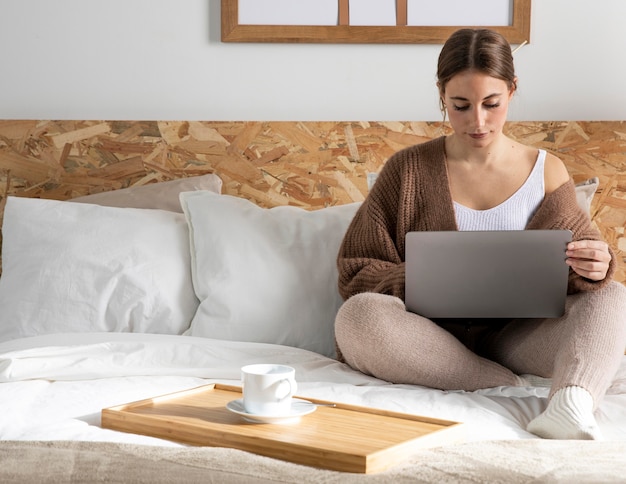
x: 477, y: 135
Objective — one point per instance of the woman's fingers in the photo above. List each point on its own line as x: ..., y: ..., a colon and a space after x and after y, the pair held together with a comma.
x: 589, y: 258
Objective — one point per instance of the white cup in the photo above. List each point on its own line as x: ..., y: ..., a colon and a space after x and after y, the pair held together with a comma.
x: 268, y: 388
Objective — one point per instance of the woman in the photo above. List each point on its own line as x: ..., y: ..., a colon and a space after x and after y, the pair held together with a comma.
x: 479, y: 179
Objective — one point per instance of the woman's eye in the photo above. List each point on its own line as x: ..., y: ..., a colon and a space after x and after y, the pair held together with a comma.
x: 460, y: 108
x: 492, y: 106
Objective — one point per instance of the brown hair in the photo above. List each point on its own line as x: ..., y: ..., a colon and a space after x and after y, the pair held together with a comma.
x: 482, y: 50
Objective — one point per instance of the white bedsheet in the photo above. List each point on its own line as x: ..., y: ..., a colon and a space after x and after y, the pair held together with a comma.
x: 53, y: 387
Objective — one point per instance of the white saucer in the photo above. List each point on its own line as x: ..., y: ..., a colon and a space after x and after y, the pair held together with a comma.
x: 299, y: 408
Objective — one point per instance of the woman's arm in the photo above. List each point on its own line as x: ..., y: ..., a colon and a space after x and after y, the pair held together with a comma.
x: 589, y: 258
x: 368, y: 259
x: 560, y: 210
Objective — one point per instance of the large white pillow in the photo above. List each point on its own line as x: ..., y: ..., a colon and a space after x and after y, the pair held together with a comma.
x: 72, y: 267
x: 265, y: 275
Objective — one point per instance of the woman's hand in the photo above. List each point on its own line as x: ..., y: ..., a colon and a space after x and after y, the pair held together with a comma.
x: 589, y: 258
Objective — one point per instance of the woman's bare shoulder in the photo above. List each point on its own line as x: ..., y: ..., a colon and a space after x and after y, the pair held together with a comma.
x: 555, y: 173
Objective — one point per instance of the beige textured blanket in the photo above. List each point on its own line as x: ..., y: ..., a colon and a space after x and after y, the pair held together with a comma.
x: 520, y: 461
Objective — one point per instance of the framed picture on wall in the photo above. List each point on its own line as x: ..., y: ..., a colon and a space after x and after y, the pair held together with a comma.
x: 370, y: 21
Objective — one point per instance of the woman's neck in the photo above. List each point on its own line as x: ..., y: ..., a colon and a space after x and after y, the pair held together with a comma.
x: 457, y: 151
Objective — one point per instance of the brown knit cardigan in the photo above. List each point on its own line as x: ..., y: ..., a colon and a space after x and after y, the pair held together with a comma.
x: 412, y: 193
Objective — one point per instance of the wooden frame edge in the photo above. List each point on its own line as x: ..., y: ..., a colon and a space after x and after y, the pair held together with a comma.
x: 516, y: 33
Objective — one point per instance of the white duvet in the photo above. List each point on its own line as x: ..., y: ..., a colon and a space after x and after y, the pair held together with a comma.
x: 53, y: 387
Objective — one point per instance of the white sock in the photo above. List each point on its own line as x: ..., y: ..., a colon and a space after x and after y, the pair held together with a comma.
x: 536, y: 381
x: 569, y: 416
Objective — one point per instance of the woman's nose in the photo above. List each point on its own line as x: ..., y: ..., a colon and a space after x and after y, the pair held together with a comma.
x: 479, y: 118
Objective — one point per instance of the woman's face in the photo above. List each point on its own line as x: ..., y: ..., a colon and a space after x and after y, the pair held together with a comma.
x: 477, y: 106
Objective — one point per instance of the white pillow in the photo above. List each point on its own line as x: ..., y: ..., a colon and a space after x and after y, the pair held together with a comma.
x: 72, y: 267
x: 162, y: 195
x: 265, y: 275
x: 585, y: 191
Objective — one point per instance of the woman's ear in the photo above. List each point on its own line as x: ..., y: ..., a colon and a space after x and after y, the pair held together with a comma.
x: 513, y: 88
x: 442, y: 95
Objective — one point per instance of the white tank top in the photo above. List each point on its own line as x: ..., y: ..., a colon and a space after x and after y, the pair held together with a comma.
x: 512, y: 214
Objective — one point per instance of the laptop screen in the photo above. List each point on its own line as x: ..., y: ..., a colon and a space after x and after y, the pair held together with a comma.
x: 487, y: 274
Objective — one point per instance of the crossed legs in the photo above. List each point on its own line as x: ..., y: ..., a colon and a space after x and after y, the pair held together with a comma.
x: 581, y: 350
x: 377, y: 336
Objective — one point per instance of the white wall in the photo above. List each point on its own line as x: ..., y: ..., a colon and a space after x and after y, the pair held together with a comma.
x: 163, y: 59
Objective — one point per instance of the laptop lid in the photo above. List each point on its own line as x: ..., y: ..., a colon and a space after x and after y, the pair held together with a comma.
x: 487, y: 274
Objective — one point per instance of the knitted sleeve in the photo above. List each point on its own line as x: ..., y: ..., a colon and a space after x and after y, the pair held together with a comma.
x: 369, y: 259
x: 560, y: 210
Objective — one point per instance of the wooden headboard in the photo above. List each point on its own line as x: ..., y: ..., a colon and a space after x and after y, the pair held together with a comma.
x: 307, y: 164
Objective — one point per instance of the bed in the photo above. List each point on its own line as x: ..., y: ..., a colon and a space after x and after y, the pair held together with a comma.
x: 144, y: 289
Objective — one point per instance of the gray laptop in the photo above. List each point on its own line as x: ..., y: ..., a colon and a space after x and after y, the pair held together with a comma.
x: 501, y: 274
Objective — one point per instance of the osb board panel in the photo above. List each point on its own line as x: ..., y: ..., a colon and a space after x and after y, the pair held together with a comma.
x: 306, y: 164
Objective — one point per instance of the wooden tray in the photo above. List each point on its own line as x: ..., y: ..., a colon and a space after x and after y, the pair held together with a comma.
x: 344, y: 438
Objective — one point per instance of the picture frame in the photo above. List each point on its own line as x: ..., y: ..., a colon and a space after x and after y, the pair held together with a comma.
x: 517, y: 32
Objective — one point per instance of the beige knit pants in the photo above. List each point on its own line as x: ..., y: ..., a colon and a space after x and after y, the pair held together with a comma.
x: 377, y: 336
